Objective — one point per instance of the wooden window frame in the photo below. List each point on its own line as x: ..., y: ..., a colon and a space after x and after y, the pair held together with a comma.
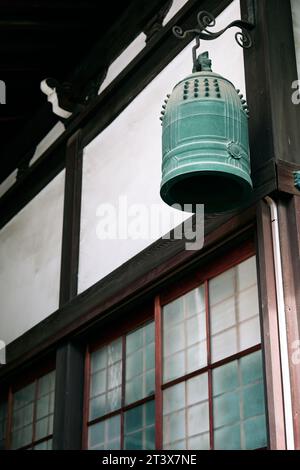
x: 8, y: 397
x: 154, y: 312
x: 140, y: 319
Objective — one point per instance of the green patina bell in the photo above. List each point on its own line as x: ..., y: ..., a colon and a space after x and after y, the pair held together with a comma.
x: 205, y: 143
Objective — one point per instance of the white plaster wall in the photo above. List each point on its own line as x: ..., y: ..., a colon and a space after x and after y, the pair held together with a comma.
x: 8, y: 182
x: 296, y: 21
x: 44, y: 144
x: 176, y: 6
x: 125, y: 159
x: 123, y: 60
x: 48, y: 140
x: 30, y: 251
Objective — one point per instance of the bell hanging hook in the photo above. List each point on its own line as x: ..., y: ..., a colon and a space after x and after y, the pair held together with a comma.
x: 206, y: 20
x: 194, y: 50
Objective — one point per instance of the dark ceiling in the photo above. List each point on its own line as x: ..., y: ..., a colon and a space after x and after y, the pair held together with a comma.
x: 53, y: 38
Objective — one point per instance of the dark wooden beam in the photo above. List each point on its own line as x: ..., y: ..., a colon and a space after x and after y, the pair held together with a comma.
x: 270, y: 68
x: 41, y: 123
x: 71, y: 224
x: 285, y: 177
x: 67, y: 432
x: 15, y: 24
x: 68, y: 408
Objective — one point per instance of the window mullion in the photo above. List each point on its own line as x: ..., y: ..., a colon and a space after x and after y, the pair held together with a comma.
x: 209, y: 372
x: 9, y: 419
x: 123, y: 389
x: 158, y: 374
x: 35, y: 399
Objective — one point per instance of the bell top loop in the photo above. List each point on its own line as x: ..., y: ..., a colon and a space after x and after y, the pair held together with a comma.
x: 202, y: 63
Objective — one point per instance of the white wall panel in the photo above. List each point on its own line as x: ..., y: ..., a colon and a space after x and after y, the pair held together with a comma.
x: 123, y: 60
x: 48, y: 140
x: 30, y: 252
x: 296, y: 21
x: 176, y: 6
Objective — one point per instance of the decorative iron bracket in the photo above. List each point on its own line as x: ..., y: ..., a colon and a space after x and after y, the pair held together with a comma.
x: 206, y: 20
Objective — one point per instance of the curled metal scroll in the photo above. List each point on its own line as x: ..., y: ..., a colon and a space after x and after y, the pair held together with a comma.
x: 207, y: 20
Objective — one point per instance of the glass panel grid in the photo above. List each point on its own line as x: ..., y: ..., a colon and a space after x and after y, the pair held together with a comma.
x: 106, y: 380
x: 238, y: 404
x: 186, y: 415
x: 106, y: 374
x: 105, y: 435
x: 234, y: 312
x: 140, y: 364
x: 139, y: 427
x: 32, y: 413
x: 45, y: 406
x: 184, y: 335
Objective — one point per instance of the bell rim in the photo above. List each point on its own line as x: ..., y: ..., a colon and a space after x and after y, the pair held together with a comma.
x: 244, y: 183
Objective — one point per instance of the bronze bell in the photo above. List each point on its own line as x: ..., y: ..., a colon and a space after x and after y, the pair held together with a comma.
x: 206, y: 158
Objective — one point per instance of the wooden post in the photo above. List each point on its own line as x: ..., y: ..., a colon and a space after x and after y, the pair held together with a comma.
x: 68, y: 411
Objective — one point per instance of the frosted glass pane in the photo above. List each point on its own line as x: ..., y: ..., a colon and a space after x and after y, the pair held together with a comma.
x: 197, y: 389
x: 140, y: 364
x: 249, y: 333
x: 186, y: 415
x: 105, y: 381
x: 255, y: 433
x: 22, y: 437
x: 226, y: 409
x: 200, y: 442
x: 246, y: 274
x: 30, y: 252
x: 105, y: 435
x: 252, y: 370
x: 224, y: 344
x: 122, y: 166
x: 226, y: 378
x: 42, y: 428
x: 239, y: 404
x: 228, y: 438
x: 248, y: 303
x: 184, y: 335
x: 23, y: 416
x: 43, y: 407
x: 139, y: 428
x: 198, y: 419
x: 223, y: 315
x: 221, y: 287
x: 98, y: 382
x: 234, y: 310
x: 46, y: 384
x: 295, y: 4
x: 174, y: 398
x: 174, y: 427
